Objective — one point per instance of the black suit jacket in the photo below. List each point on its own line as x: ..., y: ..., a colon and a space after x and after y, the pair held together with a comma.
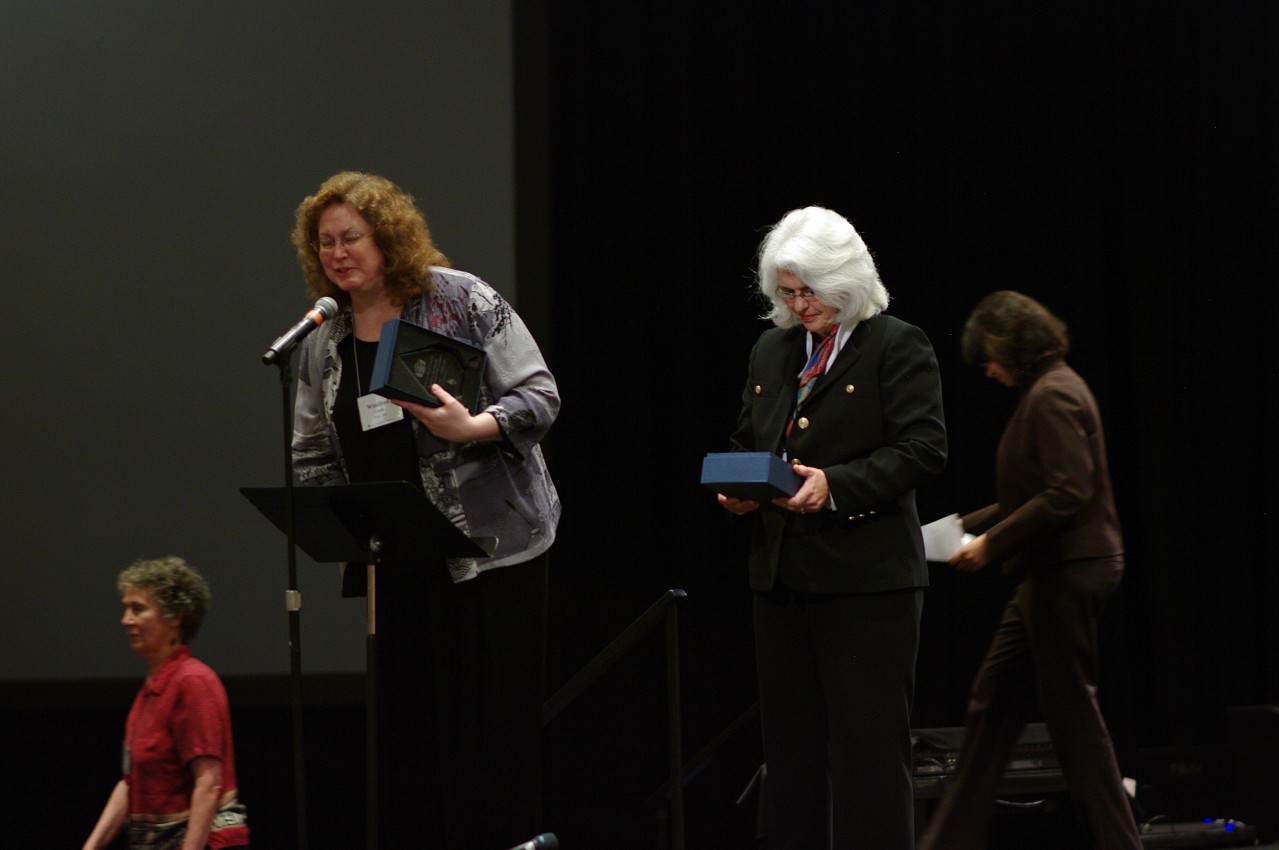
x: 874, y: 424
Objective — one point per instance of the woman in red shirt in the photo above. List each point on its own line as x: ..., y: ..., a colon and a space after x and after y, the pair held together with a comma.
x: 177, y: 789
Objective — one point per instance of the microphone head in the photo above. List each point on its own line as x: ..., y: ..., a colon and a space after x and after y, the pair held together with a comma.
x: 327, y: 307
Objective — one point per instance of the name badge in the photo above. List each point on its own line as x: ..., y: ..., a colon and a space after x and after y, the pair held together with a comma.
x: 376, y: 411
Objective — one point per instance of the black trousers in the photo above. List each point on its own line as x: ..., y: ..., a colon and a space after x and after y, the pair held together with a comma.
x: 461, y: 670
x: 836, y: 682
x: 1045, y: 647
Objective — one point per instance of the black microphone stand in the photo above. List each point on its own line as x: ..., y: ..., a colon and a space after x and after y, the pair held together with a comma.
x: 293, y: 602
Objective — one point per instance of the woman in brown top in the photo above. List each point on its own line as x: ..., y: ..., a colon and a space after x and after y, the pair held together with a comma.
x: 1055, y: 526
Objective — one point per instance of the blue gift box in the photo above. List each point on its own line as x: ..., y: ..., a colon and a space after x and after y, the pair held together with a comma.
x: 760, y: 476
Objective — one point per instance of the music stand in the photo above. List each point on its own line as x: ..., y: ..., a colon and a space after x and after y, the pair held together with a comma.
x: 368, y: 523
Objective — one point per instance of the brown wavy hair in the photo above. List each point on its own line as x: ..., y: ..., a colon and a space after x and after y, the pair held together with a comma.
x: 398, y: 228
x: 1015, y: 331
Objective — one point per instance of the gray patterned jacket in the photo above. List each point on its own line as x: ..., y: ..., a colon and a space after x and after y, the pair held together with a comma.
x: 497, y: 489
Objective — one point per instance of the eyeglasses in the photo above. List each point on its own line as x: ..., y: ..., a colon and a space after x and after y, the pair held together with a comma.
x: 789, y: 295
x: 326, y: 244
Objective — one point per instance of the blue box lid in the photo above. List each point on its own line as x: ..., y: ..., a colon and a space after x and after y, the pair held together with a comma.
x: 760, y: 476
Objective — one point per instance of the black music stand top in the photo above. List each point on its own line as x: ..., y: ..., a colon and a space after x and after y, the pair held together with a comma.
x: 384, y: 520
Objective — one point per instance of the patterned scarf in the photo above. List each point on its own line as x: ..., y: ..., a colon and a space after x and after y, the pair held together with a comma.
x: 815, y: 369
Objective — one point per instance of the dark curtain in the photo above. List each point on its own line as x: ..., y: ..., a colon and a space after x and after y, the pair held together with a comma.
x: 1118, y: 162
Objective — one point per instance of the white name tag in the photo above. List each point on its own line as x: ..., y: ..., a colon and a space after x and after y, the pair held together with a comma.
x: 376, y: 411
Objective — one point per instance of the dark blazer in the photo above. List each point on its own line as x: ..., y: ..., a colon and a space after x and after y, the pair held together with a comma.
x: 874, y: 424
x: 1051, y: 479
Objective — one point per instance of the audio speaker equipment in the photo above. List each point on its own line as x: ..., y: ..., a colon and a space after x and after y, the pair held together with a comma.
x: 1253, y: 732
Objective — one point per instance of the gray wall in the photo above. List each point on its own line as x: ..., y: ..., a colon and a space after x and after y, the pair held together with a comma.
x: 152, y: 156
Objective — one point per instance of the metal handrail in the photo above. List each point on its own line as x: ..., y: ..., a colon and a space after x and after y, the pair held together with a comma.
x: 662, y: 611
x: 695, y: 764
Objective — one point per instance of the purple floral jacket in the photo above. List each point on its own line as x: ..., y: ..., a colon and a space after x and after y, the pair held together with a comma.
x: 495, y: 489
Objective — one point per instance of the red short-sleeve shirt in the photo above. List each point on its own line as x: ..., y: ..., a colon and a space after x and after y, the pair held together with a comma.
x: 180, y: 713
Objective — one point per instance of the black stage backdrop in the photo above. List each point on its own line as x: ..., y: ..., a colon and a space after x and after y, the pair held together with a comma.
x: 1116, y: 162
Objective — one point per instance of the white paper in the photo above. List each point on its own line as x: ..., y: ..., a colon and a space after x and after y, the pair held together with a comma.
x: 943, y: 537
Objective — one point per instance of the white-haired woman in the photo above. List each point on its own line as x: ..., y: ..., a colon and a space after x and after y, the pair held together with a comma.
x: 852, y: 398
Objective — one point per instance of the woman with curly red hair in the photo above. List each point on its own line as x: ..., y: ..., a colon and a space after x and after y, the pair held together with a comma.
x: 462, y: 641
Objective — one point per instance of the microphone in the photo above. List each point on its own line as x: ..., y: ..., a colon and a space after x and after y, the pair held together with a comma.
x: 324, y: 309
x: 545, y: 841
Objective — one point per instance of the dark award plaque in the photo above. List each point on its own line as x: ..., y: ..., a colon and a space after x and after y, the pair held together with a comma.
x: 411, y: 358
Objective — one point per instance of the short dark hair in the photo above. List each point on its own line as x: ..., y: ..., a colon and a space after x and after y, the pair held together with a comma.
x: 1014, y: 330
